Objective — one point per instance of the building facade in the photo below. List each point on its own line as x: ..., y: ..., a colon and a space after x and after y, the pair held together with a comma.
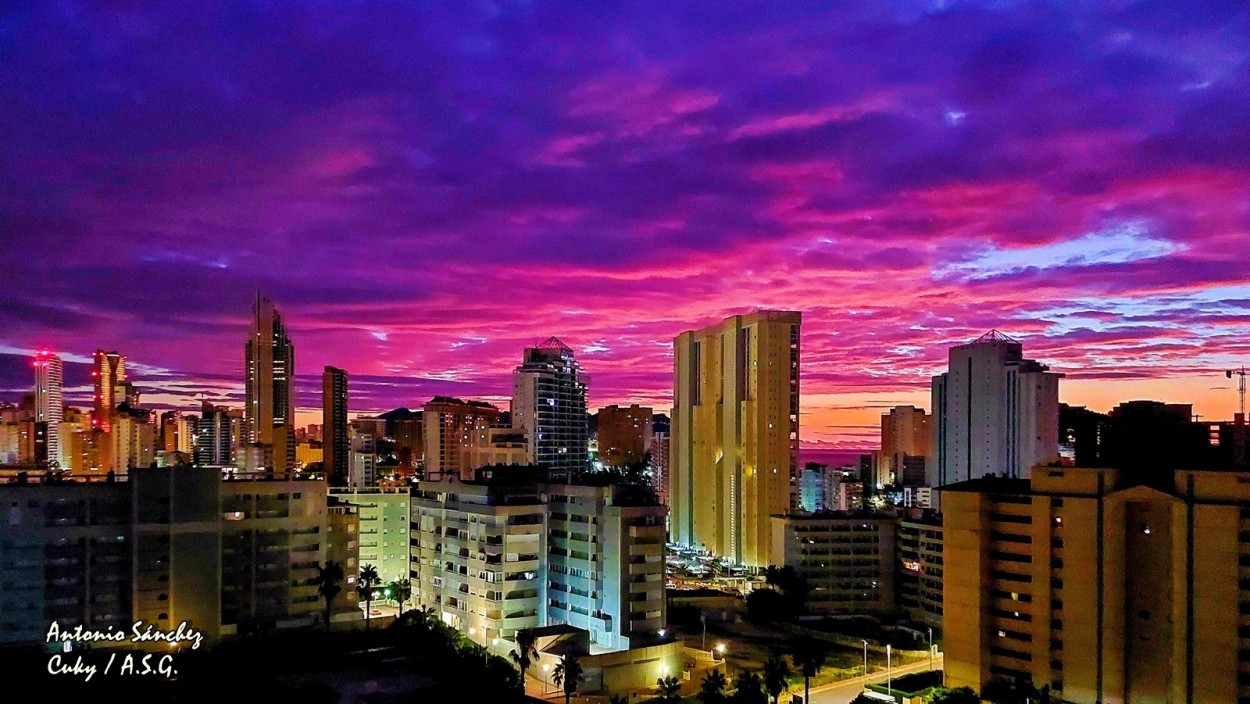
x: 818, y: 487
x: 163, y: 546
x: 494, y: 556
x: 384, y: 520
x: 214, y: 441
x: 605, y: 563
x: 334, y: 441
x: 549, y: 404
x: 994, y: 412
x: 108, y: 373
x: 269, y: 364
x: 49, y: 407
x: 452, y: 428
x: 905, y: 443
x: 735, y: 433
x: 478, y: 556
x: 919, y: 547
x: 624, y: 434
x: 1110, y: 586
x: 846, y: 558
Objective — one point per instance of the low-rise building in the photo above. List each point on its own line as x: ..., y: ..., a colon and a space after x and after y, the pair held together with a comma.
x: 847, y: 558
x: 919, y: 564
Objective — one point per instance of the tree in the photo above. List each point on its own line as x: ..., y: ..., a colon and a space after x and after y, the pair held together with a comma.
x: 809, y: 656
x: 1004, y: 691
x: 668, y: 690
x: 748, y: 689
x: 712, y: 690
x: 526, y: 650
x: 568, y: 673
x: 401, y: 589
x: 329, y: 581
x: 959, y: 695
x: 776, y: 676
x: 364, y: 585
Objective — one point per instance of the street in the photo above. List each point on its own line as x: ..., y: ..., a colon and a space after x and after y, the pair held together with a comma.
x: 843, y: 692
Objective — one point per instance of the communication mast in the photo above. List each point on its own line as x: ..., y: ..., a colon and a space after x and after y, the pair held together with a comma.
x: 1241, y: 386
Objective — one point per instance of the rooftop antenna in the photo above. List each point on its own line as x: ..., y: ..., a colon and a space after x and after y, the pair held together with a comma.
x: 1241, y: 386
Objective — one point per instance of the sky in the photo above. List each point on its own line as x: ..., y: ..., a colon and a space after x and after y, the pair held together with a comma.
x: 426, y: 188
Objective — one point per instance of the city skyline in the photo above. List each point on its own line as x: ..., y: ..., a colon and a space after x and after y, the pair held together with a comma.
x: 425, y: 193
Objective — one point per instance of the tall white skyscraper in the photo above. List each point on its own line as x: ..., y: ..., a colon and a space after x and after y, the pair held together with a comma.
x: 549, y: 403
x: 49, y: 404
x: 995, y: 412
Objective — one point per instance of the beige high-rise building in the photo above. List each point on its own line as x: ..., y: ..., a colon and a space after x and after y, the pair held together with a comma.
x: 905, y: 441
x: 735, y: 431
x: 1111, y: 586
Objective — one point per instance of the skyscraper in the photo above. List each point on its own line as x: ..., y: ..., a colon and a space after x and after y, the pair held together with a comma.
x: 904, y: 445
x: 213, y: 446
x: 269, y: 365
x: 995, y: 412
x: 549, y: 403
x: 108, y: 374
x: 334, y: 425
x: 49, y: 405
x: 735, y: 433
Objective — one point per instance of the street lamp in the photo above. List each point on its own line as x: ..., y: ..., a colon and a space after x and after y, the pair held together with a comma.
x: 720, y: 648
x: 546, y: 667
x: 865, y: 659
x: 889, y: 679
x: 930, y: 650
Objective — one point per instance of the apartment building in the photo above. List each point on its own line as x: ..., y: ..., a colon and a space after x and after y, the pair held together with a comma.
x: 919, y: 566
x: 510, y: 551
x: 167, y: 545
x: 605, y: 562
x: 1109, y: 586
x: 478, y: 553
x: 847, y: 558
x: 384, y: 521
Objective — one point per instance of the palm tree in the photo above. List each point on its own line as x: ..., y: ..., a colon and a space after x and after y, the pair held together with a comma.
x: 364, y: 585
x: 748, y: 689
x: 568, y: 673
x: 401, y: 589
x: 809, y: 656
x: 776, y: 676
x: 526, y: 651
x: 668, y: 689
x: 712, y: 691
x: 329, y: 581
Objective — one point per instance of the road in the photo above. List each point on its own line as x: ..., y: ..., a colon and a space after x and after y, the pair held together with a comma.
x: 843, y: 692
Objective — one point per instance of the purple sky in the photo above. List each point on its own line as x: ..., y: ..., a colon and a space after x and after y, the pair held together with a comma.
x: 426, y: 188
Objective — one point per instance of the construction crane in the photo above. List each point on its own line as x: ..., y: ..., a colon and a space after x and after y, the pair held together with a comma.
x: 1241, y: 386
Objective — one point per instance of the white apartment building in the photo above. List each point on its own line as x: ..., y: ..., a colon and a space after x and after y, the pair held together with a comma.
x: 495, y: 557
x: 384, y: 524
x: 995, y: 412
x: 605, y: 563
x: 478, y: 555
